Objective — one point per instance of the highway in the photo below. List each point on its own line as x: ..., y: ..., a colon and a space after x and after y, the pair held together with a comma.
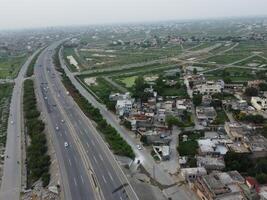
x: 143, y: 156
x: 88, y: 168
x: 11, y: 180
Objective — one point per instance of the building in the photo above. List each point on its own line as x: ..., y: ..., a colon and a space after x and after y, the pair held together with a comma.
x: 119, y: 96
x: 211, y: 147
x: 255, y: 83
x: 218, y: 186
x: 259, y: 103
x: 205, y: 115
x: 236, y: 131
x: 210, y: 163
x: 210, y: 87
x: 124, y: 107
x: 191, y: 174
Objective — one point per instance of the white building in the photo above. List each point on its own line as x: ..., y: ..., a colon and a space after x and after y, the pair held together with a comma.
x: 210, y: 87
x: 124, y: 107
x: 260, y: 103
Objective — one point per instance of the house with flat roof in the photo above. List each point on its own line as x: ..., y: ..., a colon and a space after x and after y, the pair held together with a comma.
x: 210, y: 163
x: 259, y: 103
x: 191, y: 174
x: 205, y: 115
x: 218, y: 186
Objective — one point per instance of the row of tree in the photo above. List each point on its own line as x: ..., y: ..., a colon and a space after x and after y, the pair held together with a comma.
x: 38, y: 161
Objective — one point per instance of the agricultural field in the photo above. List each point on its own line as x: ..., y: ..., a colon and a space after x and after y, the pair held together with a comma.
x: 255, y: 61
x: 234, y: 74
x: 71, y: 58
x: 10, y: 66
x: 241, y: 51
x: 114, y: 56
x: 5, y: 97
x: 128, y: 81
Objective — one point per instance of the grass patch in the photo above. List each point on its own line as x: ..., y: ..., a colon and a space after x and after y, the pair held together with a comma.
x: 10, y: 66
x: 30, y: 68
x: 5, y: 97
x: 128, y: 81
x: 102, y: 90
x: 221, y: 117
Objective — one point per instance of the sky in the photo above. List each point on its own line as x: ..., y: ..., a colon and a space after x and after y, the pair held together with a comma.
x: 15, y: 14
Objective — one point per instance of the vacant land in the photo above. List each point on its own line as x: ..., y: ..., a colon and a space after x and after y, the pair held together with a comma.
x: 5, y: 97
x: 255, y: 61
x: 111, y: 56
x: 234, y: 74
x: 128, y: 81
x: 10, y: 66
x: 73, y: 61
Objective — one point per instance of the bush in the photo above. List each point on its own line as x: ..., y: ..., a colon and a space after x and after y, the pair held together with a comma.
x: 45, y: 179
x: 38, y: 162
x: 188, y: 148
x: 30, y: 68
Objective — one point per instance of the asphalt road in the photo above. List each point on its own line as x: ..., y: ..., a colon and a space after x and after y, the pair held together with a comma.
x: 88, y: 168
x: 11, y: 180
x: 143, y: 156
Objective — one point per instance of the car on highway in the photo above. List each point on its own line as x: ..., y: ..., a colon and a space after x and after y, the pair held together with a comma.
x: 57, y: 128
x: 139, y: 147
x: 62, y: 121
x: 66, y: 144
x: 12, y: 122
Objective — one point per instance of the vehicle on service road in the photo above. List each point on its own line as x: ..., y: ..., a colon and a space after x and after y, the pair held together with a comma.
x: 66, y: 144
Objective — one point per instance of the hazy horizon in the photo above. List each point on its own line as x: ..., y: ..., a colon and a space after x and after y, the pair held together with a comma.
x: 18, y: 14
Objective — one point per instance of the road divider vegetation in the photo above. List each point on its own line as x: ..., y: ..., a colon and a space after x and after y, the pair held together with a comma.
x: 30, y: 68
x: 38, y: 161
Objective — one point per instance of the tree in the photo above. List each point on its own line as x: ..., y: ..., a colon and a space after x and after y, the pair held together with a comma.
x: 171, y: 121
x: 251, y: 91
x: 227, y: 80
x: 263, y: 86
x: 264, y: 130
x: 159, y: 84
x: 236, y: 161
x: 197, y: 99
x: 191, y: 84
x: 195, y: 71
x: 225, y: 73
x: 261, y: 166
x: 261, y: 178
x: 139, y: 86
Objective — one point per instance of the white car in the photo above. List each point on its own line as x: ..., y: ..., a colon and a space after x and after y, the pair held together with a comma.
x: 66, y: 144
x: 62, y: 121
x: 57, y: 128
x: 139, y: 147
x: 12, y: 122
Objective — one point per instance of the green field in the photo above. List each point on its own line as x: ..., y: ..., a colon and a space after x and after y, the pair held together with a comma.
x: 5, y: 96
x: 67, y: 51
x: 10, y: 66
x: 227, y: 58
x: 108, y: 57
x: 235, y: 74
x: 254, y: 60
x: 128, y: 81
